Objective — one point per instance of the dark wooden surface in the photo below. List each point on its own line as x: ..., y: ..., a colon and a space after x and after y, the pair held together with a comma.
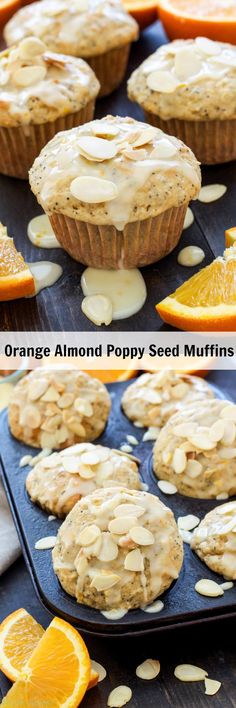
x: 58, y: 308
x: 211, y: 646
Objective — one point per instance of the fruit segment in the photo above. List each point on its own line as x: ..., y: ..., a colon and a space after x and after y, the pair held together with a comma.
x: 230, y: 237
x: 186, y: 19
x: 16, y: 280
x: 19, y: 635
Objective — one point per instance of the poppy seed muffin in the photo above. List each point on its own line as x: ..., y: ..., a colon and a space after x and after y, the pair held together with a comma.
x: 116, y: 191
x: 214, y: 540
x: 176, y: 87
x: 153, y: 398
x: 56, y: 409
x: 196, y: 449
x: 100, y: 31
x: 57, y: 482
x: 118, y: 548
x: 40, y: 93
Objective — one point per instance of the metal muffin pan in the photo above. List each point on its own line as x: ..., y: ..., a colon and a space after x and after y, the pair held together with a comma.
x: 182, y: 605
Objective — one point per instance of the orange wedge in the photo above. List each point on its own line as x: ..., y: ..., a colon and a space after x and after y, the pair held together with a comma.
x: 193, y: 18
x: 143, y: 11
x: 230, y: 237
x: 207, y: 301
x: 7, y: 9
x: 16, y: 280
x: 56, y: 675
x: 19, y: 635
x: 111, y: 375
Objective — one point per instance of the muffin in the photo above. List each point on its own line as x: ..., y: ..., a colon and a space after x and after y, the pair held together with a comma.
x: 118, y: 548
x: 153, y: 398
x: 188, y: 89
x: 196, y: 450
x: 215, y: 540
x: 56, y: 409
x: 116, y: 191
x: 57, y: 482
x: 40, y: 94
x: 100, y: 31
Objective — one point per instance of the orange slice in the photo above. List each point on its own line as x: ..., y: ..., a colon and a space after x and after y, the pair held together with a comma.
x: 19, y: 635
x: 193, y: 18
x: 16, y: 280
x: 57, y: 674
x: 111, y: 375
x: 143, y: 11
x: 207, y: 301
x: 230, y: 237
x: 7, y: 9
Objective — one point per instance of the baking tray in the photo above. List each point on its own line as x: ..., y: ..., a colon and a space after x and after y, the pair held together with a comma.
x: 182, y: 605
x: 59, y: 308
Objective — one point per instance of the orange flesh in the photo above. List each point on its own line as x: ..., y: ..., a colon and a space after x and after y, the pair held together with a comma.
x: 16, y: 280
x: 214, y: 9
x: 21, y: 641
x: 186, y: 19
x: 213, y: 285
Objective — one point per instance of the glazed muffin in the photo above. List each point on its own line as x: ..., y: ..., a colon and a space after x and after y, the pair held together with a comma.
x: 176, y: 87
x: 116, y: 191
x: 57, y: 409
x: 57, y: 482
x: 100, y: 31
x: 153, y: 398
x: 118, y: 548
x: 40, y: 94
x: 214, y: 540
x: 196, y: 450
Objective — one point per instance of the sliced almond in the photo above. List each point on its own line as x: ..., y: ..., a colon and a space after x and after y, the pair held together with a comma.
x: 76, y: 427
x: 86, y: 472
x: 229, y: 433
x: 66, y: 400
x: 207, y: 194
x: 109, y: 549
x: 90, y: 458
x: 28, y: 75
x: 141, y: 536
x: 146, y: 136
x: 43, y: 544
x: 166, y: 458
x: 187, y: 63
x: 189, y: 672
x: 121, y: 525
x: 71, y: 464
x: 209, y: 588
x: 148, y: 670
x: 188, y: 522
x: 180, y: 390
x: 31, y: 47
x: 135, y: 155
x: 129, y: 510
x: 211, y: 686
x: 88, y: 535
x: 62, y: 435
x: 30, y: 416
x: 105, y: 581
x: 156, y: 606
x: 162, y: 81
x: 227, y: 585
x: 152, y: 396
x: 186, y: 536
x: 194, y: 468
x: 93, y: 190
x: 25, y: 460
x: 84, y: 407
x: 207, y: 46
x: 37, y: 388
x: 163, y: 150
x: 179, y: 461
x: 184, y: 429
x: 201, y: 441
x: 227, y: 453
x: 98, y: 149
x: 151, y: 434
x: 217, y: 430
x: 51, y: 395
x: 134, y: 561
x: 104, y: 129
x: 189, y: 218
x: 119, y: 697
x: 229, y: 413
x: 100, y: 670
x: 166, y: 487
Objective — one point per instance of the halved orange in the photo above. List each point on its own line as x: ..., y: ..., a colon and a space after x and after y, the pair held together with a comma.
x: 56, y: 675
x: 207, y: 301
x: 7, y: 9
x: 185, y: 19
x: 230, y: 237
x: 19, y: 635
x: 16, y: 280
x: 143, y: 11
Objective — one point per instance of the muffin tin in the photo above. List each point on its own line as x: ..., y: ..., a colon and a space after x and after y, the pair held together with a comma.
x: 182, y: 605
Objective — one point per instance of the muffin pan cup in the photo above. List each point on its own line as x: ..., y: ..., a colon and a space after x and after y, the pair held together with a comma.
x: 182, y: 604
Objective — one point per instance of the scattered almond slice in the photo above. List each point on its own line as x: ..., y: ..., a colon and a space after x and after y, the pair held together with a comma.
x: 209, y: 588
x: 151, y: 434
x: 221, y: 496
x: 187, y: 63
x: 188, y: 522
x: 99, y: 669
x: 186, y: 536
x: 211, y: 192
x: 134, y: 561
x: 145, y: 137
x: 132, y: 439
x: 207, y: 46
x: 162, y: 81
x: 93, y: 190
x: 119, y: 697
x: 98, y: 309
x: 156, y: 606
x: 45, y: 543
x: 211, y: 686
x: 126, y: 448
x: 105, y: 581
x: 189, y: 672
x: 89, y: 535
x: 25, y: 460
x: 141, y: 536
x: 190, y: 256
x: 166, y: 487
x: 129, y: 510
x: 227, y: 585
x: 31, y: 47
x: 121, y: 525
x: 98, y: 149
x: 189, y: 218
x: 114, y: 614
x: 148, y: 670
x: 104, y: 129
x: 134, y: 155
x: 163, y: 150
x: 28, y: 75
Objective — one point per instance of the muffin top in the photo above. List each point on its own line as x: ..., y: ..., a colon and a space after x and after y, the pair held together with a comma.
x: 179, y: 81
x: 153, y: 398
x: 57, y: 482
x: 37, y: 86
x: 197, y: 449
x: 215, y: 540
x: 55, y: 409
x: 114, y: 171
x: 83, y: 28
x: 118, y: 548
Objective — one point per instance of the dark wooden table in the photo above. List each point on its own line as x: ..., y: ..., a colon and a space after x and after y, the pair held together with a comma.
x: 210, y: 645
x: 58, y: 308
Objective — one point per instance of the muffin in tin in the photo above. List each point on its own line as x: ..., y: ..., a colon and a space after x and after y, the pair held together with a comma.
x: 40, y: 93
x: 214, y: 540
x: 118, y: 548
x: 100, y: 31
x: 188, y: 89
x: 196, y: 450
x: 58, y: 481
x: 153, y: 398
x: 56, y: 409
x: 116, y: 191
